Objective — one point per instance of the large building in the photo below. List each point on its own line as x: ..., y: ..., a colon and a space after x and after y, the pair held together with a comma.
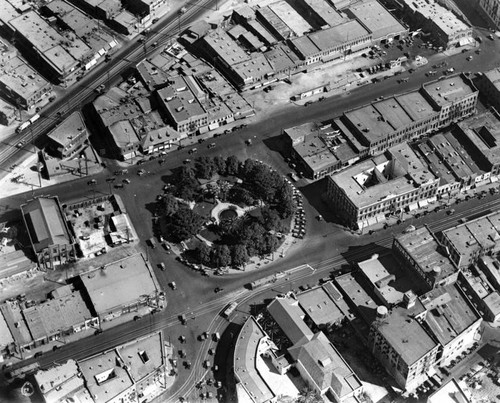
x: 489, y: 87
x: 365, y: 193
x: 48, y: 231
x: 122, y: 287
x: 69, y: 137
x: 466, y: 242
x: 420, y: 252
x: 492, y: 8
x: 447, y: 30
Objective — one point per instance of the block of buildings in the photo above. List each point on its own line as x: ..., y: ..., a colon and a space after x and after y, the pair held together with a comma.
x: 452, y: 320
x: 57, y: 56
x: 48, y: 231
x: 320, y: 13
x: 481, y: 293
x: 447, y: 30
x: 402, y: 345
x: 465, y: 243
x: 164, y: 138
x: 68, y: 137
x: 121, y: 287
x: 290, y: 318
x: 492, y: 8
x: 366, y: 192
x: 321, y: 149
x: 357, y: 298
x: 181, y: 105
x: 20, y: 84
x: 420, y: 252
x: 102, y: 9
x: 62, y: 383
x: 480, y: 135
x: 489, y: 87
x: 383, y: 26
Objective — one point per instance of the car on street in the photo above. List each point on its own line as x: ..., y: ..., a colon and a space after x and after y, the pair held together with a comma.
x: 218, y: 289
x: 162, y: 266
x: 126, y: 181
x: 92, y: 182
x: 173, y: 286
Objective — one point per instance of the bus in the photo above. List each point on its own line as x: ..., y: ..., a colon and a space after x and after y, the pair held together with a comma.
x: 229, y: 309
x: 29, y: 122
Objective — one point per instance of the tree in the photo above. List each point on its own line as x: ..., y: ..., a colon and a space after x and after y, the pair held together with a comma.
x: 203, y: 252
x: 307, y: 395
x: 221, y: 256
x: 220, y: 165
x: 285, y: 205
x: 170, y: 204
x: 239, y: 255
x: 240, y: 195
x: 270, y: 219
x: 185, y: 223
x: 232, y: 166
x: 188, y: 187
x: 205, y: 167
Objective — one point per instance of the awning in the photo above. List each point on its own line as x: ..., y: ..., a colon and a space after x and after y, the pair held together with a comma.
x: 230, y: 119
x: 412, y: 207
x: 466, y: 41
x: 422, y: 203
x: 432, y: 199
x: 213, y: 126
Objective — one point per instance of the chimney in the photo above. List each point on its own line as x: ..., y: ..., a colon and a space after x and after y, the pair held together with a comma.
x: 409, y: 299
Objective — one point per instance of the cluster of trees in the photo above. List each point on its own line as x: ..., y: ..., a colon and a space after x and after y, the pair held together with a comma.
x: 239, y: 238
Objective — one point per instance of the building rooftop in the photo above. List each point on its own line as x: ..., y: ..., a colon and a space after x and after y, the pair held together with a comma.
x: 71, y: 127
x: 305, y: 46
x: 280, y: 27
x: 55, y: 315
x: 262, y: 33
x: 166, y: 134
x: 142, y: 356
x: 105, y: 375
x: 448, y: 90
x: 123, y: 133
x: 376, y: 18
x: 281, y: 58
x: 5, y: 334
x: 21, y: 78
x: 287, y: 313
x: 435, y: 164
x: 493, y: 76
x: 492, y: 301
x: 325, y: 365
x: 120, y: 283
x: 60, y: 381
x: 46, y: 222
x: 353, y: 291
x: 449, y: 313
x: 425, y: 250
x: 7, y: 12
x: 372, y: 124
x: 180, y: 101
x: 386, y: 276
x: 416, y: 106
x: 225, y: 47
x: 253, y: 69
x: 245, y: 353
x: 483, y: 131
x: 491, y: 267
x: 292, y: 18
x: 327, y: 13
x: 320, y: 307
x: 13, y: 263
x: 450, y: 392
x: 336, y: 36
x: 405, y: 334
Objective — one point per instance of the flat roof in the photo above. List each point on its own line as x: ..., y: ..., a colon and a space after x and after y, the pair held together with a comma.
x: 377, y: 19
x: 327, y: 13
x: 483, y: 132
x: 46, y: 223
x: 305, y: 46
x: 70, y: 128
x: 280, y: 26
x: 7, y: 12
x: 120, y: 283
x: 435, y: 164
x: 289, y: 316
x: 281, y: 58
x: 59, y: 381
x: 262, y: 33
x: 255, y: 68
x: 416, y: 106
x: 6, y: 337
x: 180, y: 101
x: 318, y: 305
x: 450, y: 392
x: 21, y: 78
x: 449, y: 314
x: 406, y: 335
x: 448, y: 90
x: 493, y: 76
x: 143, y: 356
x: 225, y: 47
x: 492, y: 301
x: 123, y: 133
x: 13, y: 263
x: 332, y: 37
x: 424, y: 249
x: 54, y: 315
x: 105, y: 375
x: 370, y: 123
x: 291, y: 17
x: 245, y: 352
x: 439, y: 15
x: 353, y: 291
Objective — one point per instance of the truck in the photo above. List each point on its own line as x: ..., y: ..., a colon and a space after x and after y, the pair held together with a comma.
x: 229, y: 309
x: 152, y: 242
x: 26, y: 124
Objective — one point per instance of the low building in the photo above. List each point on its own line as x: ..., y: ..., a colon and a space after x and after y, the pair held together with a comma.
x: 7, y: 341
x: 324, y: 370
x: 162, y: 139
x: 490, y: 266
x: 447, y: 30
x: 320, y: 12
x: 20, y: 84
x: 144, y: 7
x: 62, y: 383
x: 452, y: 320
x: 362, y: 304
x: 492, y: 8
x: 420, y: 252
x: 8, y: 113
x: 290, y: 318
x: 69, y: 136
x: 321, y: 150
x: 465, y: 243
x: 181, y: 105
x: 371, y: 190
x: 124, y: 140
x: 489, y: 86
x: 402, y: 345
x: 450, y: 392
x: 14, y: 265
x: 122, y: 287
x: 48, y: 231
x: 102, y: 9
x: 481, y: 293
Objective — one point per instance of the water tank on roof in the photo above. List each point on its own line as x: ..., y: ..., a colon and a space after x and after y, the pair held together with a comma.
x: 436, y: 271
x: 382, y: 311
